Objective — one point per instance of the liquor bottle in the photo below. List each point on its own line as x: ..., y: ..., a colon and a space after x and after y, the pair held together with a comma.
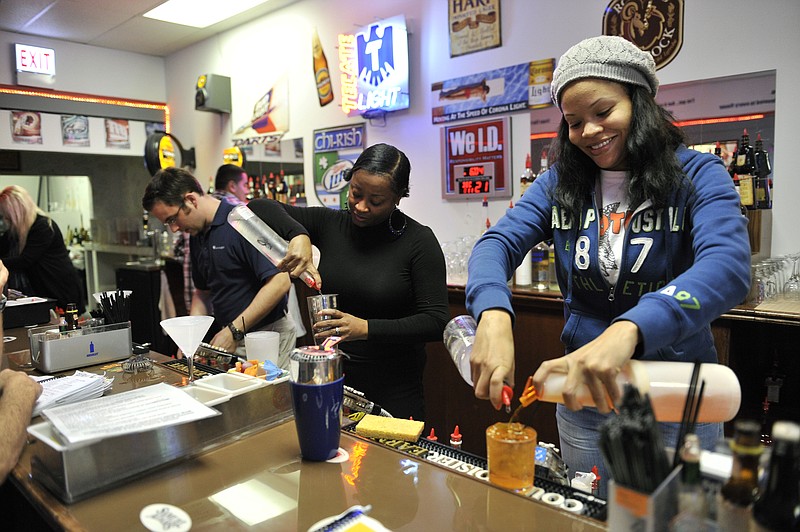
x: 321, y: 73
x: 523, y: 276
x: 211, y: 188
x: 777, y: 506
x: 766, y: 437
x: 270, y: 188
x: 552, y: 278
x: 281, y: 188
x: 763, y: 170
x: 745, y: 168
x: 264, y: 187
x: 692, y: 502
x: 71, y: 316
x: 542, y: 163
x: 252, y: 193
x: 732, y: 166
x: 485, y: 208
x: 527, y: 176
x: 736, y: 497
x: 772, y: 386
x: 541, y: 266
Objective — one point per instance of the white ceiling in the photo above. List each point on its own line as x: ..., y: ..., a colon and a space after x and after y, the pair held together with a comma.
x: 116, y: 24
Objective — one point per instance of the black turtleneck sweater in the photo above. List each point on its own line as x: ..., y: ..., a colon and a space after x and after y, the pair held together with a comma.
x: 396, y: 283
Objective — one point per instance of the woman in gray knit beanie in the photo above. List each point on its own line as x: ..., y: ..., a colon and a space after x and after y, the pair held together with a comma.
x: 649, y: 240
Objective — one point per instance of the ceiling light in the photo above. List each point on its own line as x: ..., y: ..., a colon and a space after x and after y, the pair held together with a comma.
x: 200, y: 13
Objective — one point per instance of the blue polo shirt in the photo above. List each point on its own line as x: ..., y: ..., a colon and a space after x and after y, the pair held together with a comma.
x: 232, y: 269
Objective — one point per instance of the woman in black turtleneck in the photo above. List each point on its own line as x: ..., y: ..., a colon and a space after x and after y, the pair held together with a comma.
x: 388, y: 271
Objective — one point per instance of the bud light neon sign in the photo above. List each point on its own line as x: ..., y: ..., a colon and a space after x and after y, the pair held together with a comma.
x: 374, y: 67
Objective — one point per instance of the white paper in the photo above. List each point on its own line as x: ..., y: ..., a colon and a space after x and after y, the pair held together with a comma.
x: 70, y: 389
x: 148, y: 408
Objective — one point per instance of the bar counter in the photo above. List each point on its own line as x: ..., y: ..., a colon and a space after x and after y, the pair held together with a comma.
x: 260, y: 482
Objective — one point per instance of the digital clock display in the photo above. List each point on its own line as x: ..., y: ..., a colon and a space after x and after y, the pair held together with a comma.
x: 474, y: 179
x: 474, y: 185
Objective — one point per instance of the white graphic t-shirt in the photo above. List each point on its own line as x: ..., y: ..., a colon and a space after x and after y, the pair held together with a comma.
x: 615, y: 214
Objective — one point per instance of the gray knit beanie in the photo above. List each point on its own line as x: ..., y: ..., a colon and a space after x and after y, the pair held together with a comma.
x: 606, y: 57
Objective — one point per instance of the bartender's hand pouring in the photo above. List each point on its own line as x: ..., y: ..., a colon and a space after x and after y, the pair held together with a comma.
x: 299, y: 258
x: 492, y: 358
x: 596, y: 364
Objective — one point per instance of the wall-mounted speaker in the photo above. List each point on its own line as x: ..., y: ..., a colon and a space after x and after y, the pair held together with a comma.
x: 213, y: 93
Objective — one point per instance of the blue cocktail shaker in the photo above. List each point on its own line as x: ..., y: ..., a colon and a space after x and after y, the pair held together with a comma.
x: 317, y: 384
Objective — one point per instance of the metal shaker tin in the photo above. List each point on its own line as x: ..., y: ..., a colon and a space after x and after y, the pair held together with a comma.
x: 314, y: 365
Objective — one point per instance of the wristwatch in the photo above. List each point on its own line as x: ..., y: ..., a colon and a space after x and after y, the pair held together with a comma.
x: 3, y: 302
x: 238, y: 334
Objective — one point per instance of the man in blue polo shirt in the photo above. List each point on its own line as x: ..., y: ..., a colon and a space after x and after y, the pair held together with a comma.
x: 233, y: 281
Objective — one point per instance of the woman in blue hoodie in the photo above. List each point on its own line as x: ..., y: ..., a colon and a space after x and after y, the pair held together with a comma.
x: 650, y: 244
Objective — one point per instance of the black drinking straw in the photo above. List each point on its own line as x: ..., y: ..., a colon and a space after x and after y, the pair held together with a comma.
x: 116, y: 306
x: 686, y: 417
x: 696, y: 412
x: 632, y: 446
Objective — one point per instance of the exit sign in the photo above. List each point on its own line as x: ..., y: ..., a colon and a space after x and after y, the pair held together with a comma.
x: 35, y: 59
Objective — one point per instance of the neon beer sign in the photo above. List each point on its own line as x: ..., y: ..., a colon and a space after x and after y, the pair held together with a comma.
x: 374, y: 68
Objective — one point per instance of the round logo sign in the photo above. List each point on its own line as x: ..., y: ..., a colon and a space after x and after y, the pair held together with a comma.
x: 166, y: 152
x: 655, y: 27
x: 333, y: 179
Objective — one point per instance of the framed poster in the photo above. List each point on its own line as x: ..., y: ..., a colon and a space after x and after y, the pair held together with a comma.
x: 502, y: 90
x: 473, y: 26
x: 75, y: 130
x: 477, y: 160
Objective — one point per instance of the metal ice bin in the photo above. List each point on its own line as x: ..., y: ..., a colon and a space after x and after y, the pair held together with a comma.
x: 53, y: 351
x: 77, y: 472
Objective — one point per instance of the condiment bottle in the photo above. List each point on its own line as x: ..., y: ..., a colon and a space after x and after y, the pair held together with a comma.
x: 455, y: 439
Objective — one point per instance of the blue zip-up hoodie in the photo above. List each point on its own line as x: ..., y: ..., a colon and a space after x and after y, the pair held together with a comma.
x: 682, y: 266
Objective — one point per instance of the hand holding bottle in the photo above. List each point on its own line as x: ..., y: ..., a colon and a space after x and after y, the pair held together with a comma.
x: 299, y: 259
x: 264, y: 239
x: 595, y: 365
x: 492, y: 359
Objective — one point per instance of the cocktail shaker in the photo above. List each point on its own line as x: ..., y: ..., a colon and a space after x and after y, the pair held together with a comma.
x: 317, y: 384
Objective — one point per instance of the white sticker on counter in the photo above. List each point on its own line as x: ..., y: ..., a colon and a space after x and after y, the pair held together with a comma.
x: 165, y: 517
